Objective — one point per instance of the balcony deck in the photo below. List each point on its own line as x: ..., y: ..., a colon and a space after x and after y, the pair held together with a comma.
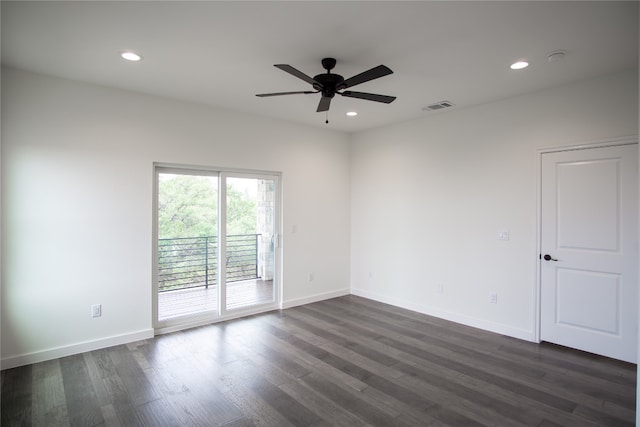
x: 185, y: 302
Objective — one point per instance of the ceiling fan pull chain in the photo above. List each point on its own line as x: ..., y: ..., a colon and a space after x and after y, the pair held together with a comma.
x: 327, y: 117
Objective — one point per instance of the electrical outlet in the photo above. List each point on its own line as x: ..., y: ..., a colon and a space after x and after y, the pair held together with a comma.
x: 493, y: 297
x: 96, y: 310
x: 310, y: 277
x: 440, y: 288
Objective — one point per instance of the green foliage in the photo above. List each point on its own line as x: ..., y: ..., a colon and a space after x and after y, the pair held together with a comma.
x: 188, y: 207
x: 241, y: 213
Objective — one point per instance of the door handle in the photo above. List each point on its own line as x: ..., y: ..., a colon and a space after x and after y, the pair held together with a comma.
x: 548, y: 257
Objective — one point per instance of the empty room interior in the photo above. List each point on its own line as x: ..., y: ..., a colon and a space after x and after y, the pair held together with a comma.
x: 298, y: 213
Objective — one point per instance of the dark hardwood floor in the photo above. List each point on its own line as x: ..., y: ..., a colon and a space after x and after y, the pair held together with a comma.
x: 346, y: 361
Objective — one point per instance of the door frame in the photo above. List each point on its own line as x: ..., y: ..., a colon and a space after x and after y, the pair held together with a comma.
x: 626, y: 140
x: 221, y: 315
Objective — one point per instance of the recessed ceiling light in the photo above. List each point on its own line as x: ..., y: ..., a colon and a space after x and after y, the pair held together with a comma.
x: 352, y: 113
x: 519, y: 65
x: 131, y: 56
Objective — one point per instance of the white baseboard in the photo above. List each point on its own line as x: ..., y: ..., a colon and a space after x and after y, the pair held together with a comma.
x: 55, y: 353
x: 486, y: 325
x: 315, y: 298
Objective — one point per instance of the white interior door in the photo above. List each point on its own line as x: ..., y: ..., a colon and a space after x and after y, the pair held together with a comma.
x: 589, y: 235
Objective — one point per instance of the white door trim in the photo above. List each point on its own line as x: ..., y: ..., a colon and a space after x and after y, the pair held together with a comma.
x: 626, y: 140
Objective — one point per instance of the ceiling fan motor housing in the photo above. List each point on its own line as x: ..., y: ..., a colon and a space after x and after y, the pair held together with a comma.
x: 328, y: 83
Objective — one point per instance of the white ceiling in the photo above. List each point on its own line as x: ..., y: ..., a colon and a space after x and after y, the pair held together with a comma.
x: 222, y: 53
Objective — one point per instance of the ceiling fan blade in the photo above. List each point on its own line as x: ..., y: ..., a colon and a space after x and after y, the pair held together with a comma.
x: 324, y: 104
x: 374, y: 73
x: 369, y: 96
x: 295, y: 72
x: 262, y: 95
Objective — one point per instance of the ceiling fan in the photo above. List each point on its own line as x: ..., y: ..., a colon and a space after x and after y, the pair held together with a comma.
x: 332, y: 84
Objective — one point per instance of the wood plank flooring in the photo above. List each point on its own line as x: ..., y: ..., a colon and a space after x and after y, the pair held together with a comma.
x: 345, y: 362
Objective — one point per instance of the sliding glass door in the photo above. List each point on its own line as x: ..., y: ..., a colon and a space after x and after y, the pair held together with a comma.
x: 216, y: 245
x: 250, y: 241
x: 187, y: 243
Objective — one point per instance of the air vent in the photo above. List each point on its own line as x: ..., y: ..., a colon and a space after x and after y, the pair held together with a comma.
x: 438, y: 106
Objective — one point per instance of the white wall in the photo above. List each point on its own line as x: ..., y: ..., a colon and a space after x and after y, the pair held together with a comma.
x: 430, y: 196
x: 77, y: 183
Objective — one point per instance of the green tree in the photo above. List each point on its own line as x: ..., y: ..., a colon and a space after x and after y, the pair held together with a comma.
x: 241, y: 212
x: 188, y: 207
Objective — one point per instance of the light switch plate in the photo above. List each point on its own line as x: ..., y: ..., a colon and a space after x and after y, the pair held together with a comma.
x: 96, y: 310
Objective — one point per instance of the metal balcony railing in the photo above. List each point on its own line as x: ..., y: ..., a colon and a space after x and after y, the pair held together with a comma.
x: 190, y: 262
